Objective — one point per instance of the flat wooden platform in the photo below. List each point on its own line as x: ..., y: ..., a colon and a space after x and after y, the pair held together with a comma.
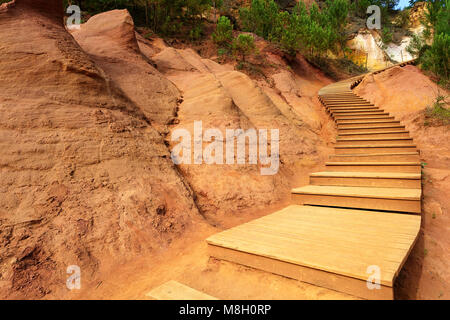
x: 173, y: 290
x: 327, y: 247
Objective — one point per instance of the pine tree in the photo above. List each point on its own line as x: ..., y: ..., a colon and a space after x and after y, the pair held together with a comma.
x: 244, y: 45
x: 223, y: 35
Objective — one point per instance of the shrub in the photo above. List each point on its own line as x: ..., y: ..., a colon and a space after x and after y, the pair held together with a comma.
x: 438, y: 111
x: 386, y: 35
x: 434, y: 57
x: 244, y: 45
x: 314, y: 31
x: 288, y: 32
x: 223, y: 36
x: 260, y: 17
x: 403, y: 18
x: 437, y: 58
x: 196, y: 32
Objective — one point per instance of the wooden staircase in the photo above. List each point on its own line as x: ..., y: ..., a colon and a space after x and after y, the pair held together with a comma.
x: 353, y: 227
x: 328, y: 237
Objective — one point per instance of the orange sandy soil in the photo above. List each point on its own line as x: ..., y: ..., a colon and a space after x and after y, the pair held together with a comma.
x: 212, y: 93
x: 85, y: 125
x: 86, y: 174
x: 187, y: 261
x: 405, y: 93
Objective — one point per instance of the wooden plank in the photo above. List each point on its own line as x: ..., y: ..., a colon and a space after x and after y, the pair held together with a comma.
x: 363, y: 149
x: 382, y: 157
x: 362, y: 192
x: 313, y: 276
x: 339, y: 241
x: 367, y: 179
x: 406, y: 206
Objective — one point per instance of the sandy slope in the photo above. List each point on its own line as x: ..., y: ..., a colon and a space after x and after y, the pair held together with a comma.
x: 85, y: 166
x: 405, y: 93
x: 85, y: 179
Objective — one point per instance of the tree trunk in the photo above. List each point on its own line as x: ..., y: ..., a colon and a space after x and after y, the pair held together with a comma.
x: 146, y: 13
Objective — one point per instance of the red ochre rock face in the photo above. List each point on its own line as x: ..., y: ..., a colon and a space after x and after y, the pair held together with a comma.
x: 53, y: 8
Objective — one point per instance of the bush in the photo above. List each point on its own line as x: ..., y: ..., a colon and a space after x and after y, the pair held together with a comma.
x: 314, y: 31
x: 438, y: 111
x: 403, y: 18
x: 386, y: 35
x: 223, y: 36
x: 162, y: 16
x: 260, y: 17
x: 196, y: 33
x: 437, y: 58
x: 288, y: 32
x: 244, y: 45
x: 360, y: 7
x: 434, y: 58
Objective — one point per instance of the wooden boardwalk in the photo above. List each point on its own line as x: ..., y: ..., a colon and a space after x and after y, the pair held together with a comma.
x: 328, y: 237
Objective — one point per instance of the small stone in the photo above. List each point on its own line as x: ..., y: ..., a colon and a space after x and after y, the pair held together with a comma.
x: 161, y: 210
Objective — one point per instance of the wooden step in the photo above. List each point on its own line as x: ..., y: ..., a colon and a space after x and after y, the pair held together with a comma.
x: 338, y: 96
x: 374, y: 157
x: 389, y: 199
x: 327, y: 247
x: 351, y: 124
x: 368, y: 117
x: 331, y: 100
x: 344, y: 104
x: 350, y: 107
x: 353, y: 110
x: 380, y: 128
x: 174, y: 290
x: 367, y: 179
x: 343, y: 97
x: 386, y: 148
x: 352, y: 96
x: 371, y: 120
x: 375, y: 112
x: 346, y: 101
x: 372, y: 141
x: 345, y: 93
x: 386, y: 134
x: 376, y: 166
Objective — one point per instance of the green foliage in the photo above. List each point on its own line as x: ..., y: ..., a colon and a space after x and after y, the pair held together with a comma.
x: 167, y: 17
x: 437, y: 57
x: 360, y: 7
x: 435, y: 9
x: 312, y: 31
x: 260, y: 17
x: 434, y: 57
x: 244, y: 45
x: 222, y: 52
x: 403, y: 18
x: 196, y: 32
x: 438, y: 110
x: 386, y: 35
x: 288, y: 32
x: 223, y: 36
x: 417, y: 46
x: 336, y: 14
